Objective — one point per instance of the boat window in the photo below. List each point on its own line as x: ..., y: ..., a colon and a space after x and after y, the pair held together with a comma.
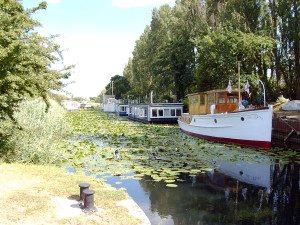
x: 178, y: 112
x: 172, y: 112
x: 193, y: 100
x: 167, y: 112
x: 154, y: 112
x: 211, y: 99
x: 221, y: 100
x: 161, y: 112
x: 202, y: 100
x: 140, y: 112
x: 233, y: 99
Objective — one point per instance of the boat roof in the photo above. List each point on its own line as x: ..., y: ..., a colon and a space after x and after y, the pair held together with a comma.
x: 158, y: 104
x: 235, y: 90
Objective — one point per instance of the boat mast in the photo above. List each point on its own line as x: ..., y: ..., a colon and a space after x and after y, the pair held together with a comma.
x: 239, y: 81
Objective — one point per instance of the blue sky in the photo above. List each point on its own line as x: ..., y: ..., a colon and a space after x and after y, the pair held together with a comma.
x: 98, y: 35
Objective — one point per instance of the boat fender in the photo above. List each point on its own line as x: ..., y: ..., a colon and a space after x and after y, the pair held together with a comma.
x: 212, y: 109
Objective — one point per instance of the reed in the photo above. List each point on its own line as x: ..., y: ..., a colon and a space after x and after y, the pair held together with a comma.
x: 36, y: 142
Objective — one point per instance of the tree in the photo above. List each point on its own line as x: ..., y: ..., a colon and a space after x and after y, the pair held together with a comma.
x: 120, y: 86
x: 196, y: 44
x: 170, y: 39
x: 25, y: 58
x: 220, y: 50
x: 127, y: 72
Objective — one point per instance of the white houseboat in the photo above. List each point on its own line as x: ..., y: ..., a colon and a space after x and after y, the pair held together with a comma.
x: 121, y: 108
x: 71, y: 105
x: 109, y: 103
x: 217, y: 115
x: 155, y: 112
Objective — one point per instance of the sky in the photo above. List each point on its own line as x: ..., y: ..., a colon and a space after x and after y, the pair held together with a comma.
x: 97, y: 36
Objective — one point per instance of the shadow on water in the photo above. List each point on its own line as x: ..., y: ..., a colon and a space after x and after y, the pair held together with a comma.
x: 233, y: 193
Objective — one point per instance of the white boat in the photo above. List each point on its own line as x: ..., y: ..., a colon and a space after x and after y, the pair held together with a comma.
x: 71, y: 105
x: 155, y: 112
x: 216, y: 115
x: 121, y: 108
x: 109, y: 104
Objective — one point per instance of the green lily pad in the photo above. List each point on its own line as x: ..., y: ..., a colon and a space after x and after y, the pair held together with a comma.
x: 171, y: 185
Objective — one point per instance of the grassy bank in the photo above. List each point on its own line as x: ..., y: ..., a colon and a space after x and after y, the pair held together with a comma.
x: 35, y: 137
x: 33, y: 194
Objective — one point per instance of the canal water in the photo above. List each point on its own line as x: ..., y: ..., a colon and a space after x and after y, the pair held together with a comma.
x: 236, y: 193
x: 177, y: 179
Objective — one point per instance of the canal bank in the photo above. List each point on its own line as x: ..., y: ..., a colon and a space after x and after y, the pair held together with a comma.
x: 35, y: 194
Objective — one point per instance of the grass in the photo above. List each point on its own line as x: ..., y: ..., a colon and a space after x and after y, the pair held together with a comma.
x: 29, y: 195
x: 41, y: 131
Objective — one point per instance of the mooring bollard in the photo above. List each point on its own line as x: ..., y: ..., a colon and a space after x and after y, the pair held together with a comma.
x: 83, y: 186
x: 89, y: 200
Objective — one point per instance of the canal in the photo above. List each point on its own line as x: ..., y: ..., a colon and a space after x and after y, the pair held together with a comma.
x: 179, y: 179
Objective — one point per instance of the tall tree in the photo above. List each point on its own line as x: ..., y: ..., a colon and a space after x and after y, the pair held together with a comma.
x: 296, y: 50
x: 120, y: 86
x: 25, y: 58
x: 220, y: 50
x: 219, y: 32
x: 176, y: 57
x: 127, y: 72
x: 285, y: 29
x: 159, y: 38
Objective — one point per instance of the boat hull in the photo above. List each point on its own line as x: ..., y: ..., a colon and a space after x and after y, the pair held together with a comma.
x: 249, y: 127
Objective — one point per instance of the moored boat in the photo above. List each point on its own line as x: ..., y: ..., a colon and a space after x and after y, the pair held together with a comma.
x: 155, y: 112
x: 109, y: 104
x: 217, y: 115
x: 121, y: 108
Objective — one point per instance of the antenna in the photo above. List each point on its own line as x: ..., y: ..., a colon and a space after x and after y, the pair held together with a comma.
x: 264, y: 92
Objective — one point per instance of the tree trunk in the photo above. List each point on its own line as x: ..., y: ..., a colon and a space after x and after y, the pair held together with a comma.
x: 296, y: 50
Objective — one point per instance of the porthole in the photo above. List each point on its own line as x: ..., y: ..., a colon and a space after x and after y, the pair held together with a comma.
x: 242, y: 118
x: 215, y: 120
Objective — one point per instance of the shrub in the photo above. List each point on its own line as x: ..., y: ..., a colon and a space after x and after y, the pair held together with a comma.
x: 35, y: 138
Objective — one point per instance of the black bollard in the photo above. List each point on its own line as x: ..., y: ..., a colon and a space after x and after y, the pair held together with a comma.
x: 83, y: 186
x: 89, y: 201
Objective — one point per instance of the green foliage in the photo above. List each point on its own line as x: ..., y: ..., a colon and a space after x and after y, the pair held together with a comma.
x: 220, y: 50
x: 37, y: 139
x: 57, y: 97
x: 120, y: 86
x: 25, y: 58
x: 195, y: 46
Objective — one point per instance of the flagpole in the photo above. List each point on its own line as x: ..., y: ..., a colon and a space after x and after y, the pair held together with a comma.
x: 239, y: 80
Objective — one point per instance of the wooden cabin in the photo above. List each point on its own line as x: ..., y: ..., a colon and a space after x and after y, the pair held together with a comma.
x: 200, y: 103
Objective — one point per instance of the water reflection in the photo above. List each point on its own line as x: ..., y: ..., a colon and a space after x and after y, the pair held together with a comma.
x: 233, y: 193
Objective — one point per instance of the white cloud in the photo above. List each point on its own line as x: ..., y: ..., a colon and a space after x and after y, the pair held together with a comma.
x: 139, y: 3
x: 97, y: 59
